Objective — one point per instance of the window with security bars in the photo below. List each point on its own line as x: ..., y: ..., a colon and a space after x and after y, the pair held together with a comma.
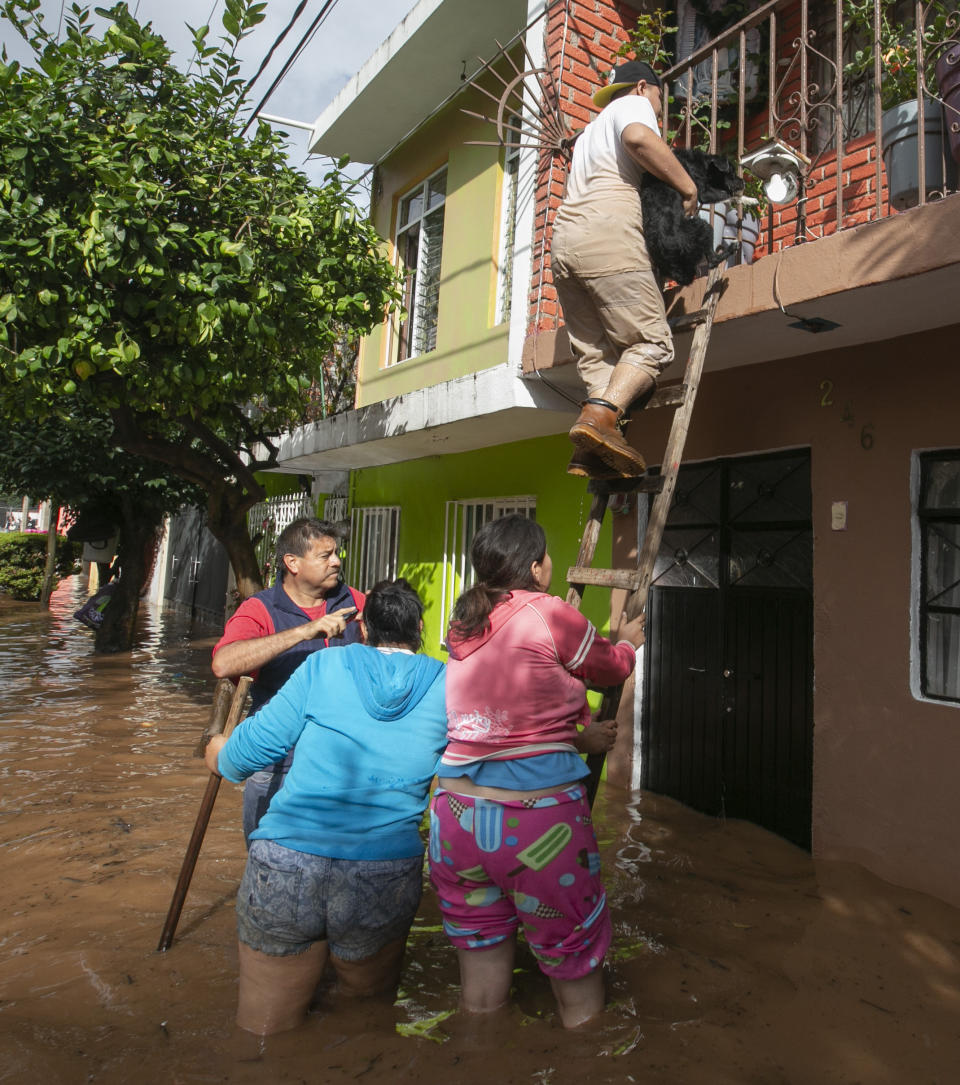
x: 938, y: 515
x: 267, y: 519
x: 508, y: 223
x: 462, y: 521
x: 335, y: 509
x: 419, y: 250
x: 372, y: 554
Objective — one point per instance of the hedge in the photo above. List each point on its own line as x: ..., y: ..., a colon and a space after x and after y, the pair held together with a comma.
x: 23, y: 556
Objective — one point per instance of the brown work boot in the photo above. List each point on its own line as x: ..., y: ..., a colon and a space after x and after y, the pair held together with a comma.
x: 587, y: 465
x: 596, y: 432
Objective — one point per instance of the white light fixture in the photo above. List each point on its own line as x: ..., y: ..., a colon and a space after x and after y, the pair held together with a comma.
x: 780, y: 168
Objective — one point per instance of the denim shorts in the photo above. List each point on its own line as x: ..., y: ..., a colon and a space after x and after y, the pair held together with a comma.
x: 290, y: 899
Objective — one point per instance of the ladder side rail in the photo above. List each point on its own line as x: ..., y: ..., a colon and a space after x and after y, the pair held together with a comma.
x: 679, y: 428
x: 588, y: 544
x: 637, y: 601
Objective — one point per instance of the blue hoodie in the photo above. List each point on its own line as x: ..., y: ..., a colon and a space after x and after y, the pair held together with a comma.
x: 369, y: 728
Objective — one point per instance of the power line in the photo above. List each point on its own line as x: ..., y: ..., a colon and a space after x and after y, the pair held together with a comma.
x: 328, y: 6
x: 273, y: 48
x: 196, y: 51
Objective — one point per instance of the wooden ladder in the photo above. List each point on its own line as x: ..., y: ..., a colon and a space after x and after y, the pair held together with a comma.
x: 637, y: 581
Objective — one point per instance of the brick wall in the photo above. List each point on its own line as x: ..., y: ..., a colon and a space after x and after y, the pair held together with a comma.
x: 581, y: 44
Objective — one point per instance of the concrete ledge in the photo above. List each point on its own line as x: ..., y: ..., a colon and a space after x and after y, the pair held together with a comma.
x: 876, y: 281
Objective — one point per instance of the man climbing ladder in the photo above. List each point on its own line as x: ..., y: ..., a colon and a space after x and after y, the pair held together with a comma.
x: 612, y: 304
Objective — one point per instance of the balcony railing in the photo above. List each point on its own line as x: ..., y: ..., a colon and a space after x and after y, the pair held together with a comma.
x: 819, y: 78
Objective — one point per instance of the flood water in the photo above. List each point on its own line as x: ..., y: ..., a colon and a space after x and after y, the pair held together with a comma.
x: 736, y: 958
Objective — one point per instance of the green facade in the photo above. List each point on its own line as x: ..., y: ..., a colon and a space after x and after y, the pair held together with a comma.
x: 524, y: 468
x: 467, y: 338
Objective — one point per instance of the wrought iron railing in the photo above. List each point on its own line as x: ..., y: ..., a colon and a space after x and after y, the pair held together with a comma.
x: 819, y: 78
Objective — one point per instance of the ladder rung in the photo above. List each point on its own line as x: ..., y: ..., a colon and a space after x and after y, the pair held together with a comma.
x: 670, y: 396
x: 604, y: 578
x: 685, y: 321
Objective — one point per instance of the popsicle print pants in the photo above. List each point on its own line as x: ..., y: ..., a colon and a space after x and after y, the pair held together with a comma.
x: 532, y: 862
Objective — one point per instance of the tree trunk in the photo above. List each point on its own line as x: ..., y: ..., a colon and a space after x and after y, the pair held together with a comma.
x: 227, y: 522
x: 243, y: 557
x: 50, y: 569
x: 134, y: 546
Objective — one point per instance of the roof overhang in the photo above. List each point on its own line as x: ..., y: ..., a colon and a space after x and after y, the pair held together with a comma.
x: 488, y: 408
x: 439, y: 45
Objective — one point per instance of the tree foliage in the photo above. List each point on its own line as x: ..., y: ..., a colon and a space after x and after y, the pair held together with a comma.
x: 22, y: 559
x: 75, y: 462
x: 160, y: 266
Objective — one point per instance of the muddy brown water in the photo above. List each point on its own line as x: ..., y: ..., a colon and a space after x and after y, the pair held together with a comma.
x: 737, y: 959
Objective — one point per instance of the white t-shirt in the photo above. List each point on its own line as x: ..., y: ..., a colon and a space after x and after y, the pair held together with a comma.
x: 601, y: 165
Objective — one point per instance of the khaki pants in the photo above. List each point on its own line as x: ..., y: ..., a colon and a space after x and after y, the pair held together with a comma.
x: 612, y: 305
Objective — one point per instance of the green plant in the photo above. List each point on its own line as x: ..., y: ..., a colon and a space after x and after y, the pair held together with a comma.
x: 160, y: 265
x: 22, y: 558
x: 646, y: 40
x: 753, y: 188
x: 897, y: 47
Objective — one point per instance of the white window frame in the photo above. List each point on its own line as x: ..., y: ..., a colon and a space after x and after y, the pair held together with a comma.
x: 461, y: 521
x: 419, y: 338
x: 509, y: 215
x: 372, y: 551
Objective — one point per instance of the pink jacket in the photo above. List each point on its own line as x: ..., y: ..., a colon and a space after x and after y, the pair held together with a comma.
x: 518, y: 689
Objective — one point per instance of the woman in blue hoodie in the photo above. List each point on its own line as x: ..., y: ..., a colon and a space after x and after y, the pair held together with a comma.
x: 334, y: 869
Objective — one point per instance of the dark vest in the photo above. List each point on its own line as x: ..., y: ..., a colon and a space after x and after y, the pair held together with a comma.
x: 285, y: 614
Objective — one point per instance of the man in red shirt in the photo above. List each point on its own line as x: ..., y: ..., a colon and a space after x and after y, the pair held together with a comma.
x: 272, y: 633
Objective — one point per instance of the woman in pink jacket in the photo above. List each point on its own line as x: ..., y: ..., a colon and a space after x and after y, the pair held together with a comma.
x: 511, y: 839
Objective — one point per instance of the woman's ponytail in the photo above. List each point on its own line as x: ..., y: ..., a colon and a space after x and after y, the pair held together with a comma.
x: 502, y: 554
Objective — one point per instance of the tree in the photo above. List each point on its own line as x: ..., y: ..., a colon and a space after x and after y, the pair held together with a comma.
x: 336, y: 388
x: 156, y: 264
x: 76, y: 463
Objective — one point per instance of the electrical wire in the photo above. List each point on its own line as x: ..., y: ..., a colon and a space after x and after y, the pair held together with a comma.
x: 273, y: 48
x: 328, y: 6
x: 196, y: 52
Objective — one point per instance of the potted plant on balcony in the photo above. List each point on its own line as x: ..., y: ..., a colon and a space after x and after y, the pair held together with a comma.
x: 899, y: 122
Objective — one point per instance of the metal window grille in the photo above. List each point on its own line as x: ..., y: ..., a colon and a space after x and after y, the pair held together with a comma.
x: 372, y: 555
x: 336, y: 509
x: 419, y: 249
x: 462, y: 520
x: 938, y: 513
x: 267, y: 519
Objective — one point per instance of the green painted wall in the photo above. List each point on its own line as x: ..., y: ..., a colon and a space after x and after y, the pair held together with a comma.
x: 467, y: 339
x: 422, y: 487
x: 276, y: 483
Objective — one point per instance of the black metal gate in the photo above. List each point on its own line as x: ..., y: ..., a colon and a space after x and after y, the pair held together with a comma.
x: 727, y: 721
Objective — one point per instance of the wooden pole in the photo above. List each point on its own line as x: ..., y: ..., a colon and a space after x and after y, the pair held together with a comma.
x: 50, y: 567
x: 219, y: 710
x: 200, y: 826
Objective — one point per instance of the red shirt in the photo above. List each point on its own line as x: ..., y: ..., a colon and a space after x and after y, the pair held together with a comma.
x: 251, y: 620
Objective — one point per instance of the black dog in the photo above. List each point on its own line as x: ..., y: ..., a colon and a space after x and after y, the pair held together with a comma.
x: 677, y: 244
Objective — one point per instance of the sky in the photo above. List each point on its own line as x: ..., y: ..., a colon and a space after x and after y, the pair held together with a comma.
x: 349, y: 34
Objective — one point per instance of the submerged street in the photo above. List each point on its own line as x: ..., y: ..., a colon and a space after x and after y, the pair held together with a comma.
x: 737, y: 958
